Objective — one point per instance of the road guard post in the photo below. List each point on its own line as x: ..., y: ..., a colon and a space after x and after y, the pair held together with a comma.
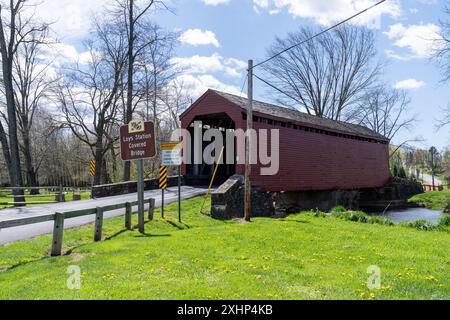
x: 171, y: 156
x: 138, y: 142
x: 92, y: 175
x: 163, y: 173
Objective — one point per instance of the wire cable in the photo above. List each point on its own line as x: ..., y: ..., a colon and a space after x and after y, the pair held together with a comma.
x: 274, y: 87
x: 243, y: 85
x: 320, y: 33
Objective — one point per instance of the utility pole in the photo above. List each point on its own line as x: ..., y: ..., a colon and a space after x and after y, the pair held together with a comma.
x: 248, y: 146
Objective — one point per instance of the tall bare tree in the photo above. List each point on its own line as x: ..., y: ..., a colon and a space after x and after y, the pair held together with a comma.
x: 33, y: 80
x: 131, y: 15
x: 434, y: 162
x: 16, y: 27
x: 91, y: 98
x: 327, y: 76
x: 385, y: 111
x: 442, y: 56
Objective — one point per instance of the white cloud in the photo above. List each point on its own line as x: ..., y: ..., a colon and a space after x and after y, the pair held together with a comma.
x: 420, y: 40
x: 215, y: 2
x: 409, y: 84
x: 71, y: 19
x: 326, y: 12
x: 197, y: 37
x: 207, y: 64
x: 195, y: 86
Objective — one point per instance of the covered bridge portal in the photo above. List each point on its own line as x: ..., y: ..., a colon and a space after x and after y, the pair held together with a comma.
x: 315, y: 154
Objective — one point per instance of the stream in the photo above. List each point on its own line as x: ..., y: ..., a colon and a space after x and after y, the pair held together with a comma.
x: 413, y: 214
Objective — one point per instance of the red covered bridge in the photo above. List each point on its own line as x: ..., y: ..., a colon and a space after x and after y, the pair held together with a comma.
x: 315, y: 153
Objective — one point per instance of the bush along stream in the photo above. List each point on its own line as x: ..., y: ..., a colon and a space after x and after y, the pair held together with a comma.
x: 443, y: 224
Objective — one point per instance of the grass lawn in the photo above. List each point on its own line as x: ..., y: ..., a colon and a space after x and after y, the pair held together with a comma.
x: 4, y: 197
x: 299, y: 257
x: 437, y: 200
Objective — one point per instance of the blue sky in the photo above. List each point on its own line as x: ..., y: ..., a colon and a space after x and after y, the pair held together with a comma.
x: 219, y: 36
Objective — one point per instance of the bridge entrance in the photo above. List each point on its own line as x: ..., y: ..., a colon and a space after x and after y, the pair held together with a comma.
x: 201, y: 174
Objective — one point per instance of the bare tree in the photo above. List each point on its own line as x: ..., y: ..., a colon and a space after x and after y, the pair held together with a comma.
x: 385, y: 111
x: 442, y: 56
x: 91, y: 97
x: 32, y: 80
x: 16, y: 27
x: 130, y: 15
x: 434, y: 161
x: 327, y: 76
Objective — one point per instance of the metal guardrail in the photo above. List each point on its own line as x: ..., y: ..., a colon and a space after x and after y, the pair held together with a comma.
x: 60, y: 217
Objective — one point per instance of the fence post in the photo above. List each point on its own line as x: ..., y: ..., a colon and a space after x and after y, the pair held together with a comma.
x: 128, y: 214
x: 98, y: 225
x: 151, y: 209
x: 58, y: 231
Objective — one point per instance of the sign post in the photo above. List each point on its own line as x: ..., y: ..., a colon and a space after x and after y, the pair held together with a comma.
x: 171, y: 156
x: 140, y: 190
x: 138, y: 142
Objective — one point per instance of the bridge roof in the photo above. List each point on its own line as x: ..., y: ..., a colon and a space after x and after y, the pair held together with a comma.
x: 295, y: 115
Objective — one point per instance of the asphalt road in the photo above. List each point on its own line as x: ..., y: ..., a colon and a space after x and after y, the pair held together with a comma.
x: 31, y: 231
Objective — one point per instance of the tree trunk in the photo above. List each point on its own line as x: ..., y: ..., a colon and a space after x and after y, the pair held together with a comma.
x: 31, y: 172
x: 129, y: 115
x: 98, y: 162
x: 5, y: 149
x: 16, y: 174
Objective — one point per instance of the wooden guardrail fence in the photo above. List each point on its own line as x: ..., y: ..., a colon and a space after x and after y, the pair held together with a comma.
x: 60, y: 217
x: 50, y: 191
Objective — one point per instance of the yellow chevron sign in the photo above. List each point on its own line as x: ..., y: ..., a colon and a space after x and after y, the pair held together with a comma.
x: 163, y: 174
x: 92, y: 168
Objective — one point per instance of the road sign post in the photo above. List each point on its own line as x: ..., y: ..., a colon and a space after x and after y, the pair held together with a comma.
x: 140, y: 189
x: 179, y: 194
x: 171, y: 156
x: 163, y: 174
x: 138, y: 142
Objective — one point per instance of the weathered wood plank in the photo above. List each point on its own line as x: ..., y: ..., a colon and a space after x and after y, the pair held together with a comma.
x: 58, y: 232
x: 25, y: 203
x: 98, y: 225
x: 151, y: 209
x: 114, y: 207
x: 80, y: 213
x: 128, y: 216
x: 26, y: 221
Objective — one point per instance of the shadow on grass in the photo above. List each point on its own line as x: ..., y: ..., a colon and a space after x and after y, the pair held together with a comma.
x: 23, y: 263
x: 177, y: 226
x: 68, y: 252
x: 149, y: 235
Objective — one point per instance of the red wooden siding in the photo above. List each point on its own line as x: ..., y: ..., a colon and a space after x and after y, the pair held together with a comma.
x: 308, y: 160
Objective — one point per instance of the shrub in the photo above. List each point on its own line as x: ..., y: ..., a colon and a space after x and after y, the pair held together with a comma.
x: 357, y: 216
x: 381, y: 220
x: 317, y: 214
x: 444, y: 221
x: 423, y: 225
x: 339, y: 209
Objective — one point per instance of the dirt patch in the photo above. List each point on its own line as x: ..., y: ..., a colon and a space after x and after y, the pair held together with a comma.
x: 76, y: 257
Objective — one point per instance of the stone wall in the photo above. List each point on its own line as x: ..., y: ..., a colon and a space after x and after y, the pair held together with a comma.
x: 294, y: 202
x: 117, y: 189
x: 227, y: 202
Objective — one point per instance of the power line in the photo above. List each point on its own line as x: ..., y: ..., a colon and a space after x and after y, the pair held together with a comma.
x: 320, y: 33
x: 274, y: 87
x: 243, y: 85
